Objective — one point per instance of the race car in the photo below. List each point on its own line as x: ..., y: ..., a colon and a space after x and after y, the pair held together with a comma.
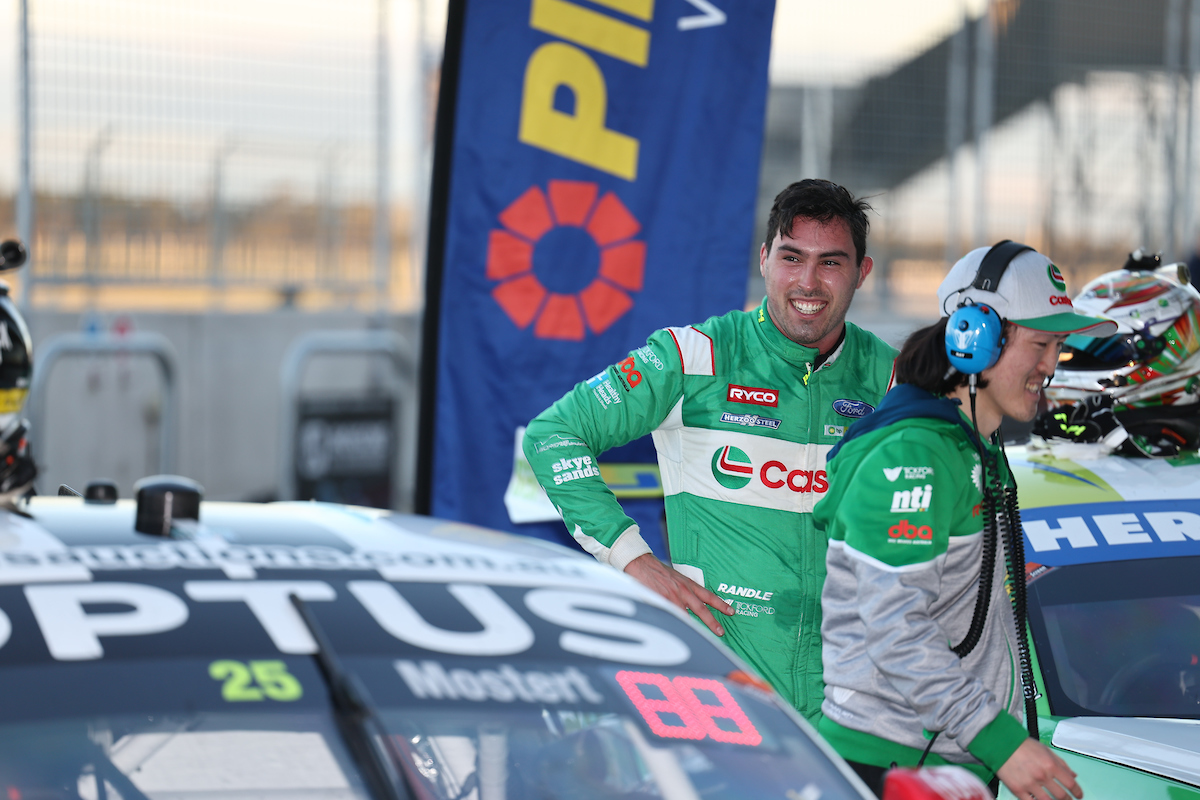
x: 1112, y: 546
x: 174, y: 648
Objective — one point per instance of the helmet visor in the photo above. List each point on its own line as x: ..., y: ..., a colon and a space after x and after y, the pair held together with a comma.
x: 1085, y: 353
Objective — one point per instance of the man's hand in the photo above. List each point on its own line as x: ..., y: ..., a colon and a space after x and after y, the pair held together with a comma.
x: 679, y: 589
x: 1035, y: 771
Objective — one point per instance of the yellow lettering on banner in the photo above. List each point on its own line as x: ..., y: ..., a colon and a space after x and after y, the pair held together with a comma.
x: 581, y: 136
x: 592, y: 29
x: 642, y: 9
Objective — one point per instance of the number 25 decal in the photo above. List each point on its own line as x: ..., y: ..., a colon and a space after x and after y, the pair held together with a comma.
x: 255, y: 680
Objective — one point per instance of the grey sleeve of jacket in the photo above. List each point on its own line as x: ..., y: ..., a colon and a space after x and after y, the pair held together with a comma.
x: 912, y: 651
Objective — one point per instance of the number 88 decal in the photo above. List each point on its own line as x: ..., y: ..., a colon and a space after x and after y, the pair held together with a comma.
x: 682, y: 700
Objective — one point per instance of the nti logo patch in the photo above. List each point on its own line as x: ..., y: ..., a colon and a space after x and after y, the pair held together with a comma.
x: 732, y: 467
x: 750, y: 394
x: 548, y: 232
x: 912, y: 499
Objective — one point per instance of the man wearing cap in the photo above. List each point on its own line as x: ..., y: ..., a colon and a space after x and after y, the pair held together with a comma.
x: 743, y: 408
x: 923, y: 626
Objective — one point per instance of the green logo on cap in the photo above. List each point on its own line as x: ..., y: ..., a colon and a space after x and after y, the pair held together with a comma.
x: 1056, y: 278
x: 732, y: 467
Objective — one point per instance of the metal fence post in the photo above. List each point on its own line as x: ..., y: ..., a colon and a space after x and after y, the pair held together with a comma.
x: 147, y: 343
x: 367, y: 342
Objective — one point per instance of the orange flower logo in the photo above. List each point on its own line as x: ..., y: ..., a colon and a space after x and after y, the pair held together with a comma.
x: 555, y: 315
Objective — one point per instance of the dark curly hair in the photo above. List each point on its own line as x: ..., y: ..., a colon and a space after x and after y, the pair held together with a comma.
x: 821, y: 200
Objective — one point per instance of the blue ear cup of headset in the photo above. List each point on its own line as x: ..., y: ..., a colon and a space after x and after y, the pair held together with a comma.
x: 974, y: 338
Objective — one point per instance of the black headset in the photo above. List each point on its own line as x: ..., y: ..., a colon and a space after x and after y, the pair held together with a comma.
x: 975, y: 332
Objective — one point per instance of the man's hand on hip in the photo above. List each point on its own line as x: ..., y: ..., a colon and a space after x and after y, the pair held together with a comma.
x: 1034, y: 771
x: 679, y: 589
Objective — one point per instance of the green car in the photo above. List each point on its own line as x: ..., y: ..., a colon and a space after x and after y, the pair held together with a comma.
x: 1112, y: 549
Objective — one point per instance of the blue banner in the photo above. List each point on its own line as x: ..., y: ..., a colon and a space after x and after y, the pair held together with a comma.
x: 602, y: 184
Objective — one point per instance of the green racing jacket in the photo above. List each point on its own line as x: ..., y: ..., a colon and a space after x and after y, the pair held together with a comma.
x: 904, y: 516
x: 742, y: 419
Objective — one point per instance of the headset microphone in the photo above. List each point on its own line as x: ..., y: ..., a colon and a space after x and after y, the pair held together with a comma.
x: 974, y: 338
x: 975, y: 332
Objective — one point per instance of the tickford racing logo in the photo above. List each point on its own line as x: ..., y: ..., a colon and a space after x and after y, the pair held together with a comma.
x: 732, y: 467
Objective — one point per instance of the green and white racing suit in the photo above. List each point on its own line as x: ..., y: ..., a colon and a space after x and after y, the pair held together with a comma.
x: 742, y: 419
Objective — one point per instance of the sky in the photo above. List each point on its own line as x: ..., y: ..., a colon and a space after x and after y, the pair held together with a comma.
x: 848, y: 40
x: 814, y: 41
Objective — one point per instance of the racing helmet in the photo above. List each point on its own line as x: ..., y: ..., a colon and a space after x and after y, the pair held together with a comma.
x: 1151, y: 366
x: 16, y: 359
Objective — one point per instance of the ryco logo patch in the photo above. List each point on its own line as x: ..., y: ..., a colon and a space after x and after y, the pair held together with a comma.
x: 750, y: 394
x: 732, y: 467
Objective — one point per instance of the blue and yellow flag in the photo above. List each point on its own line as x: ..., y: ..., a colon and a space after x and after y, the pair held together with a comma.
x: 595, y: 179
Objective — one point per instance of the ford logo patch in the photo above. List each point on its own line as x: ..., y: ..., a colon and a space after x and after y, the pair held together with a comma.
x: 852, y: 408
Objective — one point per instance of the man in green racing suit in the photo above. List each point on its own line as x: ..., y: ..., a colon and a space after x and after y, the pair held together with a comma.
x: 743, y: 409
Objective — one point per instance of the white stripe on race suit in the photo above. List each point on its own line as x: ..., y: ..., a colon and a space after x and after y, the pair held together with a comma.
x: 695, y: 351
x: 786, y: 476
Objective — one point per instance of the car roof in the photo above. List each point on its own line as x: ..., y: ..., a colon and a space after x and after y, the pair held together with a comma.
x: 1082, y: 505
x: 67, y: 538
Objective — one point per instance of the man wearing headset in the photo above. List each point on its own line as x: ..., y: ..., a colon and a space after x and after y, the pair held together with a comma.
x: 743, y: 409
x: 925, y: 539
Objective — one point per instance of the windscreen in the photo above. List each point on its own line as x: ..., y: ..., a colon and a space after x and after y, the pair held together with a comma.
x: 595, y: 733
x: 210, y: 688
x: 1120, y: 638
x: 172, y: 728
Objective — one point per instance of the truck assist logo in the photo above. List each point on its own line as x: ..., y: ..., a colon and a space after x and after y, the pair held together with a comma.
x: 603, y: 226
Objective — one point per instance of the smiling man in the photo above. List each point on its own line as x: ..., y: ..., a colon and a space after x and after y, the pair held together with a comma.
x: 743, y: 408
